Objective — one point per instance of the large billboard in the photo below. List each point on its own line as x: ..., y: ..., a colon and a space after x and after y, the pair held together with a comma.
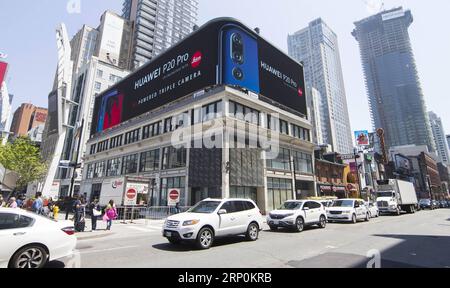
x: 362, y: 138
x: 3, y: 68
x: 222, y: 52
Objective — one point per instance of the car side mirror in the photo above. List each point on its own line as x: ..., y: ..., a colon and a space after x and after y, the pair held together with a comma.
x: 222, y: 211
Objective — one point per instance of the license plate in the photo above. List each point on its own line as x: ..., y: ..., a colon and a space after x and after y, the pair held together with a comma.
x: 276, y: 222
x: 168, y: 234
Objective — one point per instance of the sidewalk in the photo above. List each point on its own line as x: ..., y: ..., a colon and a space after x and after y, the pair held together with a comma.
x: 118, y: 227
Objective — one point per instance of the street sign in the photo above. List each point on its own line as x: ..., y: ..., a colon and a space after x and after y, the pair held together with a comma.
x: 174, y: 197
x: 130, y: 197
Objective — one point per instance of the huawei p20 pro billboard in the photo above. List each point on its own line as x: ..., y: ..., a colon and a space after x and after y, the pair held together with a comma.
x: 222, y: 52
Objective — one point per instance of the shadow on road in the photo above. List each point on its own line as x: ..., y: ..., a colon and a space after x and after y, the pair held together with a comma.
x: 188, y: 247
x: 414, y: 251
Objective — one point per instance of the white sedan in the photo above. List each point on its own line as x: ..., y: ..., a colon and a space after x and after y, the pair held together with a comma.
x: 31, y: 241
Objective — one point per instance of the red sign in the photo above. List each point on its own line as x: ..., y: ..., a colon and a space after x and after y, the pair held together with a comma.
x: 3, y: 67
x: 196, y: 59
x: 174, y: 195
x: 131, y: 193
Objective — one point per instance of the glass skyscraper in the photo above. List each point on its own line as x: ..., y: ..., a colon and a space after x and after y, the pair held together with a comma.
x: 317, y: 47
x: 158, y: 24
x: 395, y: 95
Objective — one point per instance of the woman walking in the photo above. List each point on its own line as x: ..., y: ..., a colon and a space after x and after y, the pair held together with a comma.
x: 110, y: 214
x: 95, y: 213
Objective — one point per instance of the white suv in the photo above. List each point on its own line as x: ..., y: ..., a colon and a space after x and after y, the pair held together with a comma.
x: 348, y: 210
x: 213, y: 218
x: 298, y: 214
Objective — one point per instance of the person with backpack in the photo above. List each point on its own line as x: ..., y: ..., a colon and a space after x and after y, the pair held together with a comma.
x: 110, y: 214
x: 38, y: 204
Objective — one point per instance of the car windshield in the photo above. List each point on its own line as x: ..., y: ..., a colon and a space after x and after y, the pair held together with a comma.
x: 343, y: 203
x: 385, y: 194
x: 205, y: 207
x: 291, y: 206
x: 424, y: 201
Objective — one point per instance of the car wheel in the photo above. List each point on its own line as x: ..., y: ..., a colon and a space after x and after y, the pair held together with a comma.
x: 398, y: 212
x: 323, y: 222
x: 205, y: 239
x: 252, y: 232
x: 299, y: 224
x: 354, y: 220
x: 31, y: 257
x: 174, y: 241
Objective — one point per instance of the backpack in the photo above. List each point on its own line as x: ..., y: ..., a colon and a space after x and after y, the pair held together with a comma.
x: 36, y: 205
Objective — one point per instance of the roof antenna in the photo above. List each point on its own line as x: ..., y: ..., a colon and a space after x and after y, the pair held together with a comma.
x: 257, y: 30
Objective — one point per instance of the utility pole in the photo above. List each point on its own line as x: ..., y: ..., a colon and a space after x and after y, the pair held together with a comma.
x: 74, y: 167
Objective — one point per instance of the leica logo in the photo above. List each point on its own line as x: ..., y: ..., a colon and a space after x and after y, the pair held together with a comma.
x: 196, y: 59
x: 116, y: 184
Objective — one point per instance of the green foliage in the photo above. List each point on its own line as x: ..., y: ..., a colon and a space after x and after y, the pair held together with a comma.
x: 24, y: 158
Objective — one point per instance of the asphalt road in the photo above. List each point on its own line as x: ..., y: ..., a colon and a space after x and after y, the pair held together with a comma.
x: 420, y: 240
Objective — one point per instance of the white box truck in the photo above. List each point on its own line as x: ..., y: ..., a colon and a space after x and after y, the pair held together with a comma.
x: 395, y: 196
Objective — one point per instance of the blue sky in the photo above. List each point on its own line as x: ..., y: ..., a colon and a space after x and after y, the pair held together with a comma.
x: 27, y: 36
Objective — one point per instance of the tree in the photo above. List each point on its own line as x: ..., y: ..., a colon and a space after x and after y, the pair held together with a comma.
x: 24, y: 158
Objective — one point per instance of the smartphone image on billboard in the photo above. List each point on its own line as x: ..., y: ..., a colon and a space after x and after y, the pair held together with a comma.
x: 239, y: 58
x: 110, y: 111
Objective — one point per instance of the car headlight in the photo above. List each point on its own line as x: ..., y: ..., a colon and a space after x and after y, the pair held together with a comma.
x: 191, y: 222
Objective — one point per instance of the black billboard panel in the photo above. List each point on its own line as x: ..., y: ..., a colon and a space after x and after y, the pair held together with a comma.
x: 223, y: 51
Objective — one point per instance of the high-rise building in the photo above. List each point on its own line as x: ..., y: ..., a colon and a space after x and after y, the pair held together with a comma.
x: 315, y: 106
x: 27, y: 117
x: 448, y: 141
x: 439, y: 137
x: 395, y: 96
x: 158, y: 24
x: 317, y: 47
x: 98, y: 58
x: 5, y: 104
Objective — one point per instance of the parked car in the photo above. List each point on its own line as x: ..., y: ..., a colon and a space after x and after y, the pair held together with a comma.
x: 348, y: 210
x: 373, y: 209
x: 298, y: 214
x: 436, y: 204
x: 213, y: 218
x: 426, y: 204
x: 31, y: 241
x: 443, y: 204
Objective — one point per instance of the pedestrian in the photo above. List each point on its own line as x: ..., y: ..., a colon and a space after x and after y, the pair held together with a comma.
x: 177, y: 208
x: 95, y: 213
x: 20, y: 201
x: 2, y: 202
x: 12, y: 203
x: 80, y: 215
x: 110, y: 214
x: 50, y: 205
x: 38, y: 204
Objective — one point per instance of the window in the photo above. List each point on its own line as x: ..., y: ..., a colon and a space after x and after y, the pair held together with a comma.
x: 300, y: 133
x: 99, y: 169
x: 243, y: 192
x: 114, y: 167
x: 100, y: 73
x: 93, y: 147
x: 90, y: 171
x: 284, y: 127
x: 173, y: 158
x: 14, y: 221
x: 98, y: 86
x: 212, y: 111
x: 130, y: 164
x: 149, y: 161
x: 168, y: 125
x: 132, y: 137
x: 244, y: 113
x: 229, y: 206
x: 279, y: 191
x: 151, y: 130
x: 282, y: 162
x: 102, y: 146
x: 303, y: 162
x: 116, y: 142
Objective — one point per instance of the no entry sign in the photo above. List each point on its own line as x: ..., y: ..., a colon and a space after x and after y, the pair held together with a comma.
x: 174, y: 197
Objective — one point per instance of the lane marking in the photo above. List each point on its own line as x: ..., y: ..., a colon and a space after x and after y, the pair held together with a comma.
x: 108, y: 250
